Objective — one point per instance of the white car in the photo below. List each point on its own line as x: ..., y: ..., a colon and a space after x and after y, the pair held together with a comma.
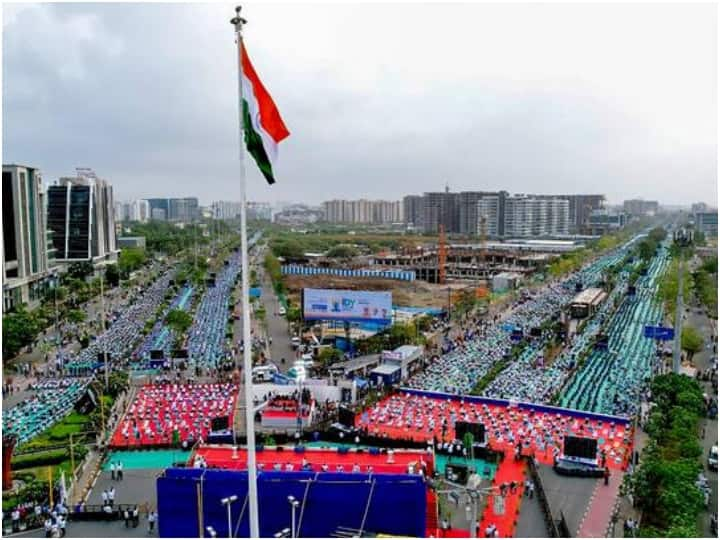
x: 281, y: 311
x: 713, y: 458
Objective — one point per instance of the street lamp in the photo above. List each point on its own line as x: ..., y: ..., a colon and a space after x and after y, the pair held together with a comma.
x: 211, y: 531
x: 285, y: 533
x: 294, y: 503
x: 227, y: 501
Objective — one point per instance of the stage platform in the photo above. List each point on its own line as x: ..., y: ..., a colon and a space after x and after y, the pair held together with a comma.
x: 221, y: 457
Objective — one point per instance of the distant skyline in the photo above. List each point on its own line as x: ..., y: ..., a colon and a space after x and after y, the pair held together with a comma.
x: 382, y: 100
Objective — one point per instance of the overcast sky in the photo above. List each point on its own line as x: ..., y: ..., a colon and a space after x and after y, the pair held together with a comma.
x: 381, y: 100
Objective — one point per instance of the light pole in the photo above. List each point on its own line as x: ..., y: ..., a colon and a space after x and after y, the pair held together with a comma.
x: 227, y: 501
x: 294, y: 503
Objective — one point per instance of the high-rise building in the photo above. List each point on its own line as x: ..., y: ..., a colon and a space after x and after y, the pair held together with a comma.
x: 140, y: 210
x: 526, y: 216
x: 640, y: 207
x: 82, y: 219
x: 363, y: 211
x: 182, y: 209
x: 26, y: 252
x: 491, y: 208
x: 159, y: 209
x: 413, y: 209
x: 440, y: 207
x: 706, y: 222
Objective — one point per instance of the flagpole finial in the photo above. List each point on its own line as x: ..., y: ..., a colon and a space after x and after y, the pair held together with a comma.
x: 238, y: 21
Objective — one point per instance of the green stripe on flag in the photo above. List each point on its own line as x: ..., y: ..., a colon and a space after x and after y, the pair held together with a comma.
x: 254, y: 144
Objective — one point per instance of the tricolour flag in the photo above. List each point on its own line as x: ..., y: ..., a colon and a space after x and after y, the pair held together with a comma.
x: 264, y: 128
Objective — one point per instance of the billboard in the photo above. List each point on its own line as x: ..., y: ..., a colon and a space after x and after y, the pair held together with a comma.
x: 343, y: 305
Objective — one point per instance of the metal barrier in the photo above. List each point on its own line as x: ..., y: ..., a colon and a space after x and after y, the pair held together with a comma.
x: 550, y: 524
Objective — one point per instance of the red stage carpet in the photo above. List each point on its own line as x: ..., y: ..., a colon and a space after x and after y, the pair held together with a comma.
x: 419, y: 418
x: 160, y: 410
x: 508, y: 471
x: 222, y: 457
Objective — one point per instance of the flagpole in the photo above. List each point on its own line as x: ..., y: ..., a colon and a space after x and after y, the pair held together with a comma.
x: 238, y: 22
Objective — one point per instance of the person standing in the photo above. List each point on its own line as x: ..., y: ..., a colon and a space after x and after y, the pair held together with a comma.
x: 119, y: 470
x: 112, y: 470
x: 111, y: 496
x: 152, y: 517
x: 62, y: 525
x: 126, y: 517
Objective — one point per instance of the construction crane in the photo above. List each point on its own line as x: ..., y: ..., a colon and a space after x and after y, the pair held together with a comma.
x: 442, y: 255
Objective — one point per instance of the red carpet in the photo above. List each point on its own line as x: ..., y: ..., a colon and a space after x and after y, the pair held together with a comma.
x: 431, y: 518
x: 159, y: 410
x: 222, y: 457
x: 508, y: 471
x: 420, y: 418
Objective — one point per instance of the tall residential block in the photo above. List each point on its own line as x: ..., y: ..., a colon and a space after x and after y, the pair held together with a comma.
x: 363, y: 211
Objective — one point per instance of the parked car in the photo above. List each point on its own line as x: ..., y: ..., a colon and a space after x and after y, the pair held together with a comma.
x: 712, y: 459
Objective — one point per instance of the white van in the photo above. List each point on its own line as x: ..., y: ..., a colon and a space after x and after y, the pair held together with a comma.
x: 264, y: 373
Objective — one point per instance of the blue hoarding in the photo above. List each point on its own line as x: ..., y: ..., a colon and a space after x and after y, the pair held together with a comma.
x: 344, y: 305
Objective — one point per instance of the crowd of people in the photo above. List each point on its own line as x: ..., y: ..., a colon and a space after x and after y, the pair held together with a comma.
x: 531, y: 377
x: 207, y: 344
x: 538, y: 434
x: 50, y: 401
x: 126, y: 325
x: 162, y: 337
x: 174, y: 413
x: 611, y: 381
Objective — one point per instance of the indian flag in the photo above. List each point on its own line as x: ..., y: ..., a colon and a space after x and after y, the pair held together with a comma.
x: 263, y: 126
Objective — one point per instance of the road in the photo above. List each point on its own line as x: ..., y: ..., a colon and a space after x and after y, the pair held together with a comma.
x: 277, y: 325
x: 703, y: 360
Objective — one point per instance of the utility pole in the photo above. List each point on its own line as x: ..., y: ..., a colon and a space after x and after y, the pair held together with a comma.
x: 678, y: 318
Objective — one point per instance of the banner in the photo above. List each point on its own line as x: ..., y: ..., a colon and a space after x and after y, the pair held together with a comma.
x: 344, y: 305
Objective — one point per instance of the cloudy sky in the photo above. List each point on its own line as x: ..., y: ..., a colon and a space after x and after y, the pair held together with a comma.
x: 381, y: 100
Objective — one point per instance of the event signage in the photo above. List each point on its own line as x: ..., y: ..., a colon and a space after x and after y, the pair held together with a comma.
x: 344, y: 305
x: 659, y: 332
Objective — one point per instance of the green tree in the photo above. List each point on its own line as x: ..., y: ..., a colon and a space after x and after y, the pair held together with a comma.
x: 76, y: 316
x: 130, y: 259
x: 112, y: 275
x: 179, y: 320
x: 342, y: 251
x: 329, y: 356
x: 691, y: 341
x: 19, y: 330
x: 80, y: 270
